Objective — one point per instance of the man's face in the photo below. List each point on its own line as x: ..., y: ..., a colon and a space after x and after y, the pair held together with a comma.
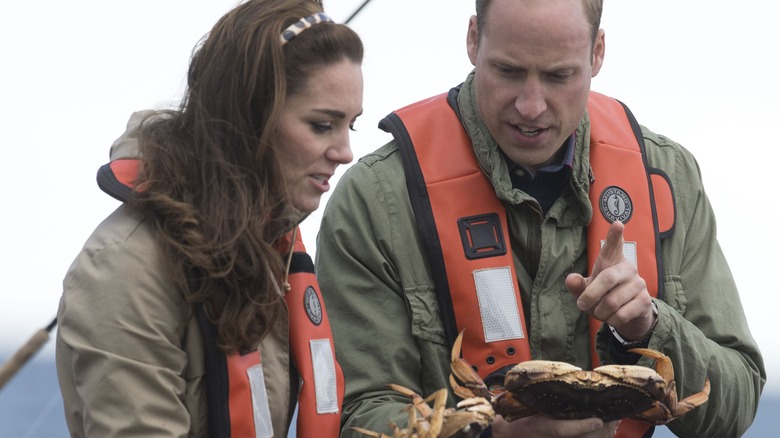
x: 534, y: 63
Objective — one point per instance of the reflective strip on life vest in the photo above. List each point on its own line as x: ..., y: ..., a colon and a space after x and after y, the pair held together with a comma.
x: 260, y: 406
x: 498, y: 304
x: 248, y: 399
x: 324, y: 372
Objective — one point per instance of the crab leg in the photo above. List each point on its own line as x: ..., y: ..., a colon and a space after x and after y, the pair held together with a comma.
x: 663, y: 366
x: 417, y: 400
x: 670, y: 408
x: 439, y: 399
x: 474, y: 417
x: 370, y: 433
x: 690, y: 402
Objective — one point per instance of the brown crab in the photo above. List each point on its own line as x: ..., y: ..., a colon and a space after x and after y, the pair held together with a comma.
x: 425, y: 421
x: 561, y: 390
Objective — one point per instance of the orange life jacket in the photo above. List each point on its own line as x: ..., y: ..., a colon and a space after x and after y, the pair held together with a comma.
x: 470, y: 255
x: 237, y: 402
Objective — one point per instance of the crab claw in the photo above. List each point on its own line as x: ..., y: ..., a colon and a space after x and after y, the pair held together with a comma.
x: 473, y: 385
x: 663, y: 365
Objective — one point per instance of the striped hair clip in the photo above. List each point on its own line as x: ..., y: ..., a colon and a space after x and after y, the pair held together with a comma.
x: 304, y: 23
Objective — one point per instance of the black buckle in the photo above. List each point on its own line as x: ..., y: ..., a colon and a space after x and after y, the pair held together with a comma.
x: 482, y: 236
x: 496, y: 378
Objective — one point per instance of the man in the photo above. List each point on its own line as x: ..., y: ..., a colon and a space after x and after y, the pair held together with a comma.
x: 394, y: 265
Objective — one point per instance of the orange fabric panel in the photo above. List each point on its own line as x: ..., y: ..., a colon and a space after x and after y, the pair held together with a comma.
x: 241, y: 415
x: 125, y: 170
x: 432, y: 132
x: 617, y: 161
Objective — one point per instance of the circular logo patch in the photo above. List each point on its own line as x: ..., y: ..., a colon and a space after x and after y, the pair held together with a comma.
x: 615, y: 205
x: 312, y: 305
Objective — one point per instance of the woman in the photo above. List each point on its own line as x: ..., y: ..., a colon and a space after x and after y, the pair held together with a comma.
x: 183, y: 315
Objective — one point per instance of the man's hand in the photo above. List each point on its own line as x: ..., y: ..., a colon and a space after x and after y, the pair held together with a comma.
x: 543, y: 426
x: 615, y: 293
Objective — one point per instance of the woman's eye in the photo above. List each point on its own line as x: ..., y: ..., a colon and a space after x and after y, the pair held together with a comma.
x: 321, y: 127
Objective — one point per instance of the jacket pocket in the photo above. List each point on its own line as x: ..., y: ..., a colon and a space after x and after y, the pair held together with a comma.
x: 425, y: 316
x: 674, y: 294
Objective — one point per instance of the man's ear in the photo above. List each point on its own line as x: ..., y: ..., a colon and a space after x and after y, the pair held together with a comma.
x: 598, y: 53
x: 472, y: 40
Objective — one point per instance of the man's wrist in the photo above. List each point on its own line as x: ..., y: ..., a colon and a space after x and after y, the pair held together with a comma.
x: 642, y: 342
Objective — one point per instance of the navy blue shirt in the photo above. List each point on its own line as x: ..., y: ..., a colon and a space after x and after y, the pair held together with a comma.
x: 549, y: 182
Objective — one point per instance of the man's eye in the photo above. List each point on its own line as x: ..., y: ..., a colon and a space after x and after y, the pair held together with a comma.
x: 560, y: 77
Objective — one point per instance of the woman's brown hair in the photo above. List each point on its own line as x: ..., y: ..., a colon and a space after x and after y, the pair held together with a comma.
x: 210, y: 173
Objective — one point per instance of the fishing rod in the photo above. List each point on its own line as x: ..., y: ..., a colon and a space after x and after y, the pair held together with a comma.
x: 22, y: 355
x: 357, y: 11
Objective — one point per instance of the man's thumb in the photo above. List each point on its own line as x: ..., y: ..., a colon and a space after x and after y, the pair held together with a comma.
x: 576, y: 284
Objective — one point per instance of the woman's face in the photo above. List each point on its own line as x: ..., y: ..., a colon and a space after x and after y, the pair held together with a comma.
x: 314, y: 131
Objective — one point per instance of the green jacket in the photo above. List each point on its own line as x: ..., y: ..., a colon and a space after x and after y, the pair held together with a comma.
x: 380, y: 295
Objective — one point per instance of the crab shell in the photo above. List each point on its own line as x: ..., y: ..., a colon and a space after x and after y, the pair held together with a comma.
x: 565, y: 391
x: 609, y: 392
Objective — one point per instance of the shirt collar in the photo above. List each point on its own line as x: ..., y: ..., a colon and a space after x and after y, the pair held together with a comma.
x: 550, y: 181
x: 564, y: 164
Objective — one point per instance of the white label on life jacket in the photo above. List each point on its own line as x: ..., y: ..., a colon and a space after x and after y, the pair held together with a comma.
x: 498, y: 304
x: 262, y: 413
x: 325, y: 390
x: 629, y: 251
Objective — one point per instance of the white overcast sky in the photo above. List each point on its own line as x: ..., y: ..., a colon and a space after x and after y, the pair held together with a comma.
x: 702, y: 72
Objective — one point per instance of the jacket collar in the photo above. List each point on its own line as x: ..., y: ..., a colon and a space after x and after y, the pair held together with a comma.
x: 576, y: 213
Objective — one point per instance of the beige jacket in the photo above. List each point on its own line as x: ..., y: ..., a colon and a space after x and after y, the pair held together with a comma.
x: 130, y: 356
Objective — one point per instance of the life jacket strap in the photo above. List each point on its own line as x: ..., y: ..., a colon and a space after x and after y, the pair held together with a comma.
x: 311, y: 340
